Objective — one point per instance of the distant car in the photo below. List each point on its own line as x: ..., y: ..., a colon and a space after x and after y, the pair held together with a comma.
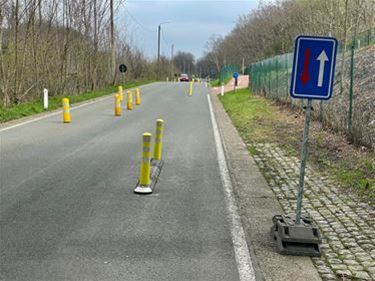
x: 184, y: 78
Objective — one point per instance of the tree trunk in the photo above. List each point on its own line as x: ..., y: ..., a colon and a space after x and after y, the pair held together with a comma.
x: 113, y: 45
x: 344, y: 48
x: 5, y: 97
x: 16, y: 26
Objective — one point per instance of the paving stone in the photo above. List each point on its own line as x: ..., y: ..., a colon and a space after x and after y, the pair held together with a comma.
x: 368, y: 246
x: 350, y: 262
x: 344, y: 252
x: 328, y: 277
x: 367, y: 263
x: 334, y: 261
x: 330, y: 255
x: 324, y: 269
x: 339, y: 266
x: 362, y: 275
x: 343, y: 273
x: 364, y: 258
x: 347, y: 224
x: 354, y: 268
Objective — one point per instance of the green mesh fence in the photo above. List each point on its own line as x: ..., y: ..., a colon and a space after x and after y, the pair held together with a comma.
x: 227, y: 72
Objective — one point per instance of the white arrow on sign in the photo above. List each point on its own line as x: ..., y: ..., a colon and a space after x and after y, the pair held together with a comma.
x: 322, y: 58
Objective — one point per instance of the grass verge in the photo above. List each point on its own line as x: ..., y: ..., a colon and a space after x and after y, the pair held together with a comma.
x: 260, y: 121
x: 35, y: 107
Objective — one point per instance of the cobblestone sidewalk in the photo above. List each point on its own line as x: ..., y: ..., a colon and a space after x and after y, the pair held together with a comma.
x: 347, y: 225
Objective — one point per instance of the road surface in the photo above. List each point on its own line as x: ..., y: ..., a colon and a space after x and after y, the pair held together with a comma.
x: 67, y: 207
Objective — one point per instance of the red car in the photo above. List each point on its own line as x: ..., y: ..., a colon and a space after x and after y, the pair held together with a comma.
x: 184, y: 78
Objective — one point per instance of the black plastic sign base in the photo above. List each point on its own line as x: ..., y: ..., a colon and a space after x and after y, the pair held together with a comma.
x: 295, y: 239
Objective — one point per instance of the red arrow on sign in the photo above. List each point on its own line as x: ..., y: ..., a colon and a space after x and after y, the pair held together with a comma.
x: 305, y: 77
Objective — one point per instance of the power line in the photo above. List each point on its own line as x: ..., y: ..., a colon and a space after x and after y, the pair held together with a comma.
x: 138, y: 23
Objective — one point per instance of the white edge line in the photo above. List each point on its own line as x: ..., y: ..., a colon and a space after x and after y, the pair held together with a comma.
x: 243, y: 260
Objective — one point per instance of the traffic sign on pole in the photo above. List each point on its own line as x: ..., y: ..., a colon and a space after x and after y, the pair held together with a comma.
x: 123, y: 68
x: 313, y: 67
x: 312, y: 78
x: 235, y: 75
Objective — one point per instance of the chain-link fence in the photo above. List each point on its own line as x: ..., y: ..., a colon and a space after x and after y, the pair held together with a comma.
x: 352, y: 107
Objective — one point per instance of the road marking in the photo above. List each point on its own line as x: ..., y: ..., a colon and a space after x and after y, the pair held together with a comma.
x: 53, y: 114
x: 243, y: 260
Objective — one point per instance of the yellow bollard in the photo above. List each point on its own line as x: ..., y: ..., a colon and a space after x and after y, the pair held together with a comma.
x: 121, y: 93
x: 130, y: 101
x: 191, y: 89
x: 117, y: 105
x: 66, y: 110
x: 144, y: 178
x: 158, y: 139
x: 137, y: 96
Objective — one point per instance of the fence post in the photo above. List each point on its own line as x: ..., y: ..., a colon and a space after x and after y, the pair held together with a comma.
x: 368, y: 37
x: 286, y: 76
x: 269, y: 77
x: 277, y: 77
x: 350, y: 116
x: 261, y: 77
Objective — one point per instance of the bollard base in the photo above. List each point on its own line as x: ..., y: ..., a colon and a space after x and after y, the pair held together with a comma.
x: 296, y: 239
x: 156, y: 166
x: 143, y: 190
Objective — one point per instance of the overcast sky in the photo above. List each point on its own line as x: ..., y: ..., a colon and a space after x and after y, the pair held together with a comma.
x: 192, y: 22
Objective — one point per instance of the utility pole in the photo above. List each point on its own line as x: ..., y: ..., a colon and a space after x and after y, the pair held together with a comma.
x: 172, y: 61
x: 243, y: 66
x: 159, y: 29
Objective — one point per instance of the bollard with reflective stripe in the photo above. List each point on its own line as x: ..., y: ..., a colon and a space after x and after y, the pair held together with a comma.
x: 66, y: 110
x: 121, y: 93
x: 158, y: 139
x: 137, y: 96
x: 145, y: 175
x: 191, y: 89
x: 130, y: 100
x: 117, y: 105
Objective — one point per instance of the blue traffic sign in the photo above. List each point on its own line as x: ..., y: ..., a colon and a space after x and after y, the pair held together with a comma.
x: 313, y: 67
x: 235, y: 75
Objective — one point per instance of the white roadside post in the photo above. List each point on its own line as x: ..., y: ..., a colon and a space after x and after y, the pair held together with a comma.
x: 45, y: 98
x: 222, y: 89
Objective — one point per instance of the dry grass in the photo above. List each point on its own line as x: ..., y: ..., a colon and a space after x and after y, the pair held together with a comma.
x: 259, y: 121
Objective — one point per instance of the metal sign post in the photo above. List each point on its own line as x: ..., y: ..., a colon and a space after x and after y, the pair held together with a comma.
x: 304, y: 153
x: 235, y: 77
x: 312, y: 78
x: 123, y: 68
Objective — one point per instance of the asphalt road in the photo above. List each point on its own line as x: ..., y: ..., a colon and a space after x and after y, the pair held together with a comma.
x: 67, y: 207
